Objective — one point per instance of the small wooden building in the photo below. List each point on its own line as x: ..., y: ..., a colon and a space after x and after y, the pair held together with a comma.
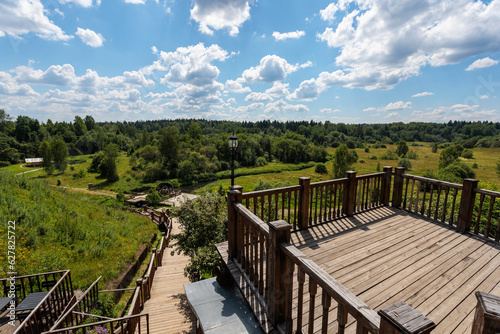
x: 33, y: 162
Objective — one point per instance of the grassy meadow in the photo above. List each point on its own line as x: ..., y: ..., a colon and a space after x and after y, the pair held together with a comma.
x: 57, y: 229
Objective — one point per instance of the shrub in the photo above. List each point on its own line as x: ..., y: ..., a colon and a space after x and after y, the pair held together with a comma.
x: 79, y: 175
x: 378, y: 166
x: 467, y: 154
x: 389, y: 155
x: 405, y: 163
x: 475, y: 166
x: 412, y: 155
x: 321, y: 169
x: 361, y: 161
x: 262, y: 185
x: 153, y: 198
x: 456, y: 172
x: 373, y: 157
x: 367, y: 149
x: 4, y: 164
x: 261, y: 161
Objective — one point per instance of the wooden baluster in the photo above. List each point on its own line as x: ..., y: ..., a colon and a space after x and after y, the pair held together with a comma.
x: 430, y: 201
x: 342, y: 316
x: 455, y: 192
x: 261, y: 257
x: 321, y: 218
x: 276, y: 198
x: 311, y: 206
x: 326, y: 303
x: 422, y: 210
x: 262, y: 203
x: 481, y: 200
x: 301, y: 277
x: 488, y: 224
x: 251, y: 250
x: 411, y: 197
x: 296, y: 209
x: 288, y: 289
x: 419, y: 185
x: 332, y: 203
x: 247, y: 247
x: 445, y: 204
x: 406, y: 193
x: 316, y: 190
x: 270, y: 204
x: 313, y: 290
x: 361, y: 184
x: 437, y: 202
x: 283, y: 199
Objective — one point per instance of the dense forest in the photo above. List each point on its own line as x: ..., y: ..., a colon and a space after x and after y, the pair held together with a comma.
x: 193, y: 150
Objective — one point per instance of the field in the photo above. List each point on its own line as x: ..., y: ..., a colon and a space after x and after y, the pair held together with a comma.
x: 57, y: 229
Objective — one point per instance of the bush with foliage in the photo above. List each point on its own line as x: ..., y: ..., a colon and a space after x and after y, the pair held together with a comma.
x: 412, y: 155
x: 153, y: 198
x: 401, y: 149
x: 456, y: 172
x: 261, y: 161
x: 262, y: 185
x: 343, y: 160
x: 321, y: 169
x: 467, y: 154
x: 448, y: 156
x: 203, y: 223
x: 389, y: 155
x: 405, y: 163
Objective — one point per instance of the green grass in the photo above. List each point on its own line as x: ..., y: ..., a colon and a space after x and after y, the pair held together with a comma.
x: 58, y: 229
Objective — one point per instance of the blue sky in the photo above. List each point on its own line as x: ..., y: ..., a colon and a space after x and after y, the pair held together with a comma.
x: 364, y: 61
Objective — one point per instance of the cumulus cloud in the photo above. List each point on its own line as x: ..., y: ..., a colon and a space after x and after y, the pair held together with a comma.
x: 136, y: 2
x: 278, y: 36
x: 55, y: 75
x: 90, y: 37
x: 236, y: 87
x: 271, y: 68
x: 20, y: 17
x: 422, y: 94
x: 258, y: 97
x: 482, y: 63
x: 81, y: 3
x: 220, y: 14
x: 399, y: 105
x: 278, y: 89
x: 282, y: 106
x: 382, y: 43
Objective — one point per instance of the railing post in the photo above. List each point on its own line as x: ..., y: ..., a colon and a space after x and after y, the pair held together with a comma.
x: 279, y: 232
x: 386, y: 185
x: 139, y: 285
x: 233, y: 196
x: 402, y: 318
x: 487, y: 316
x: 304, y: 183
x: 466, y: 205
x: 397, y: 191
x: 350, y: 193
x: 153, y: 253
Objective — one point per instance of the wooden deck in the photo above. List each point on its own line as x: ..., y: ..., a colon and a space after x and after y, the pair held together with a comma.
x: 388, y: 255
x: 168, y: 308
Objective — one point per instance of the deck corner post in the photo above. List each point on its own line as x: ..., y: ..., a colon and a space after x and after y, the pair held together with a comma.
x: 487, y: 315
x: 466, y: 205
x: 402, y: 318
x: 350, y: 193
x: 397, y: 191
x: 233, y: 196
x: 303, y: 220
x: 386, y: 185
x: 279, y: 232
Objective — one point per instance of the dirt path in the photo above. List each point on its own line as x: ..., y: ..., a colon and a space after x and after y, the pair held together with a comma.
x: 89, y: 191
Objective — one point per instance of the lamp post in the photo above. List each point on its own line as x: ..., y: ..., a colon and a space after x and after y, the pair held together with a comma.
x: 233, y: 144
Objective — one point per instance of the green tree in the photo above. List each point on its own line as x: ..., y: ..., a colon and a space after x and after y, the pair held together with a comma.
x: 89, y: 123
x: 153, y: 198
x: 342, y: 161
x: 108, y: 163
x: 448, y: 156
x: 194, y: 131
x: 79, y: 126
x: 46, y: 154
x: 320, y: 168
x: 203, y: 224
x: 169, y: 146
x: 434, y: 147
x: 4, y: 120
x: 145, y: 138
x: 401, y: 149
x: 59, y: 152
x: 498, y: 169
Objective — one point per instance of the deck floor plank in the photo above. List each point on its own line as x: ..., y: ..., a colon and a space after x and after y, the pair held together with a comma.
x: 168, y: 308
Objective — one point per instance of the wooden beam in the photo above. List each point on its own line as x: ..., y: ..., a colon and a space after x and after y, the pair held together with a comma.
x: 487, y: 316
x: 402, y: 318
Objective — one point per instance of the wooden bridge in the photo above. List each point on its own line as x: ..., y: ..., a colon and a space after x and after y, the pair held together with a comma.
x: 378, y: 253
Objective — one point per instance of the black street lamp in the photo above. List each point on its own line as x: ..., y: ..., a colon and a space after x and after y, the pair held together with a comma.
x: 233, y: 144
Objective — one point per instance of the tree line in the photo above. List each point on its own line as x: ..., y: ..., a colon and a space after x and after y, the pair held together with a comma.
x: 193, y: 150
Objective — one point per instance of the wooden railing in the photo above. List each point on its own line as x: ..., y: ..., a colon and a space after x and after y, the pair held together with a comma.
x: 78, y: 310
x: 51, y: 307
x: 463, y: 207
x: 112, y: 326
x: 315, y: 203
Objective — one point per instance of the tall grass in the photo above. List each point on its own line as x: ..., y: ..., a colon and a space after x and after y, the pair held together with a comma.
x: 57, y: 229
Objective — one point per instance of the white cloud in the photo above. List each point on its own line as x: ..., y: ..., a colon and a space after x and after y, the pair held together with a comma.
x: 382, y: 43
x: 311, y: 89
x: 258, y: 97
x: 328, y: 110
x: 90, y: 37
x: 281, y: 106
x: 136, y: 2
x: 162, y: 96
x: 278, y: 89
x: 288, y: 35
x: 236, y: 87
x: 55, y: 75
x: 392, y: 115
x: 271, y: 68
x: 81, y: 3
x: 400, y: 105
x: 20, y: 17
x: 422, y: 94
x: 482, y: 63
x: 220, y: 14
x: 370, y: 109
x: 484, y: 97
